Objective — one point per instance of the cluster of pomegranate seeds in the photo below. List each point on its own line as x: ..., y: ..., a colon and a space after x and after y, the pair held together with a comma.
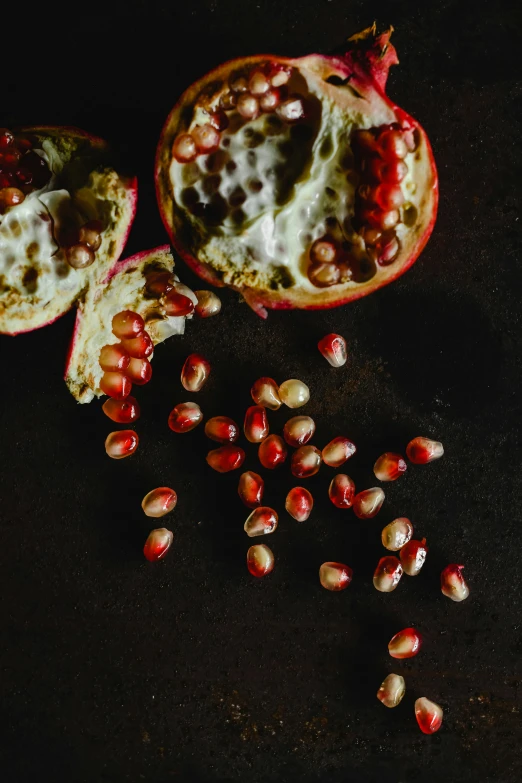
x: 260, y: 560
x: 368, y: 503
x: 453, y: 584
x: 185, y: 417
x: 429, y: 715
x: 22, y: 169
x: 387, y: 574
x: 222, y: 429
x: 389, y: 466
x: 397, y: 534
x: 333, y: 348
x: 341, y: 491
x: 255, y: 426
x: 121, y: 444
x: 226, y: 458
x: 392, y: 690
x: 335, y: 576
x: 298, y: 430
x: 262, y: 520
x: 195, y: 372
x: 80, y: 253
x: 299, y: 503
x: 420, y: 451
x: 209, y: 304
x: 251, y: 488
x: 405, y: 644
x: 159, y: 501
x: 158, y: 544
x: 413, y: 555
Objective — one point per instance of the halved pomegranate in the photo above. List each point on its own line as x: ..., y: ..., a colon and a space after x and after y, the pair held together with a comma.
x: 65, y: 214
x: 297, y: 182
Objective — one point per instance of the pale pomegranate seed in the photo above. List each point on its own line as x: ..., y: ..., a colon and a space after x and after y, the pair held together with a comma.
x: 184, y: 148
x: 90, y: 234
x: 209, y: 304
x: 248, y: 106
x: 324, y: 275
x: 265, y: 391
x: 405, y: 644
x: 367, y: 503
x: 420, y: 451
x: 292, y: 109
x: 306, y: 462
x: 177, y: 304
x: 389, y: 466
x: 206, y: 138
x: 122, y: 411
x: 413, y: 555
x: 114, y: 358
x: 226, y: 458
x: 139, y: 371
x: 185, y: 416
x: 139, y: 347
x: 294, y: 393
x: 335, y: 576
x: 158, y: 544
x: 333, y: 348
x: 260, y: 560
x: 222, y: 429
x: 256, y: 424
x: 262, y: 521
x: 195, y: 372
x: 79, y: 256
x: 115, y: 385
x: 270, y: 100
x: 219, y: 120
x: 159, y: 501
x: 389, y: 196
x: 272, y: 452
x: 453, y: 584
x: 397, y: 534
x: 279, y: 75
x: 394, y: 171
x: 429, y: 715
x: 338, y: 451
x: 391, y: 145
x: 11, y: 197
x: 387, y: 574
x: 258, y: 83
x: 299, y: 503
x: 323, y: 251
x: 127, y: 325
x: 121, y: 444
x: 341, y: 491
x: 392, y: 690
x: 298, y: 430
x: 251, y: 488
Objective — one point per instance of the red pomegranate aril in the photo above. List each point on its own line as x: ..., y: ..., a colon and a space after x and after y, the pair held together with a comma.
x: 209, y: 304
x: 219, y: 120
x: 139, y: 371
x: 265, y: 392
x: 158, y: 544
x: 122, y: 411
x: 391, y: 145
x: 272, y: 452
x: 387, y: 251
x: 139, y: 347
x: 251, y: 488
x: 90, y: 234
x: 79, y: 256
x: 115, y: 385
x: 248, y: 106
x: 420, y: 451
x: 306, y: 462
x: 184, y: 148
x: 323, y: 252
x: 6, y: 138
x: 122, y: 443
x: 279, y: 75
x: 206, y: 138
x: 368, y: 503
x: 292, y: 109
x: 397, y: 534
x: 260, y: 560
x: 389, y: 466
x: 10, y: 197
x: 177, y: 304
x: 335, y: 576
x: 299, y: 503
x: 226, y: 458
x: 298, y: 430
x: 258, y: 83
x: 185, y: 416
x: 413, y: 555
x: 453, y: 584
x: 389, y: 196
x: 324, y: 275
x: 392, y: 690
x: 338, y: 451
x: 270, y: 100
x: 333, y: 348
x: 256, y: 424
x: 159, y: 284
x: 405, y: 644
x: 394, y: 172
x: 294, y: 393
x: 429, y: 715
x: 262, y: 521
x: 195, y: 372
x: 387, y: 574
x: 159, y: 501
x: 222, y: 429
x: 127, y: 325
x: 341, y: 491
x: 114, y: 358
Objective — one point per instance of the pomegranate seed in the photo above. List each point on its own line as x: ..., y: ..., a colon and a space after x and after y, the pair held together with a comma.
x: 206, y: 138
x: 323, y: 252
x: 158, y: 544
x: 256, y: 424
x: 177, y: 304
x: 392, y: 690
x: 333, y: 348
x: 159, y: 284
x: 270, y: 100
x: 258, y: 83
x: 139, y: 371
x: 184, y: 148
x: 122, y: 411
x: 341, y: 491
x: 185, y: 416
x: 127, y: 325
x: 261, y: 522
x: 306, y: 462
x: 429, y: 715
x: 90, y: 234
x: 335, y: 576
x: 324, y: 275
x: 420, y: 451
x: 113, y: 358
x: 394, y: 172
x: 228, y: 101
x: 265, y: 391
x: 272, y: 452
x: 405, y: 644
x: 226, y: 458
x: 121, y: 444
x: 338, y: 451
x: 219, y: 120
x: 391, y: 145
x: 388, y: 251
x: 279, y: 75
x: 389, y: 466
x: 10, y: 197
x: 79, y: 256
x: 195, y: 372
x: 413, y: 555
x: 6, y: 138
x: 10, y: 158
x: 364, y: 141
x: 294, y: 393
x: 209, y: 304
x: 397, y: 534
x: 251, y: 488
x: 453, y: 584
x: 299, y: 503
x: 115, y: 385
x: 387, y: 574
x: 222, y: 429
x: 298, y: 430
x: 139, y: 347
x: 248, y: 106
x: 260, y: 560
x: 292, y: 109
x: 389, y: 196
x: 159, y: 502
x: 239, y: 84
x: 367, y: 504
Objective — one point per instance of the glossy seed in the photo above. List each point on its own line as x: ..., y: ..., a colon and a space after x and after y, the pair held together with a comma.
x: 338, y: 451
x: 387, y: 574
x: 392, y: 690
x: 122, y: 411
x: 206, y: 138
x: 139, y: 347
x: 251, y: 488
x: 209, y: 304
x: 294, y: 393
x: 298, y: 430
x: 341, y: 491
x: 333, y: 348
x: 405, y: 644
x: 79, y: 256
x: 413, y: 555
x: 420, y: 451
x: 195, y: 372
x: 306, y: 461
x: 177, y: 304
x: 159, y: 501
x: 127, y: 325
x: 226, y: 458
x: 262, y: 521
x: 256, y: 424
x: 114, y: 358
x: 299, y: 503
x: 265, y: 391
x: 115, y: 385
x: 335, y: 576
x: 222, y: 429
x: 367, y: 504
x: 429, y: 715
x: 272, y: 452
x: 139, y: 371
x: 185, y: 416
x: 260, y: 560
x: 121, y: 443
x: 397, y: 534
x: 389, y: 466
x: 453, y: 584
x: 158, y: 544
x: 184, y: 148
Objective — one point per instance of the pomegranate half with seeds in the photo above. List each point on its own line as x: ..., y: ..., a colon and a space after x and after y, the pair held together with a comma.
x: 297, y: 182
x: 65, y: 214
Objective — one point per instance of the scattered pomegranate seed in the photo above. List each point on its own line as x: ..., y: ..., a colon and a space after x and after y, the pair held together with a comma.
x: 279, y: 75
x: 262, y: 521
x: 127, y: 325
x: 139, y: 347
x: 177, y: 304
x: 79, y: 256
x: 184, y: 148
x: 139, y: 371
x: 251, y: 488
x: 222, y: 429
x: 272, y: 452
x: 114, y: 358
x: 90, y: 234
x: 248, y: 106
x: 413, y: 555
x: 270, y: 100
x: 335, y: 576
x: 299, y: 503
x: 294, y: 393
x: 260, y: 560
x: 387, y: 574
x: 389, y: 466
x: 195, y: 372
x: 405, y: 644
x: 258, y: 83
x: 338, y: 451
x: 206, y: 138
x: 209, y: 304
x: 333, y: 348
x: 392, y: 690
x: 115, y: 385
x: 185, y: 416
x: 368, y: 503
x: 256, y: 424
x: 158, y: 544
x: 341, y: 491
x: 429, y: 715
x: 159, y: 501
x: 323, y: 251
x: 298, y: 430
x: 397, y: 534
x: 121, y: 444
x: 292, y: 109
x: 122, y: 411
x: 265, y: 391
x: 226, y: 458
x: 420, y: 451
x: 453, y: 584
x: 306, y: 461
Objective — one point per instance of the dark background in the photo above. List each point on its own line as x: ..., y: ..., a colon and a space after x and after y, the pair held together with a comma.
x: 113, y: 669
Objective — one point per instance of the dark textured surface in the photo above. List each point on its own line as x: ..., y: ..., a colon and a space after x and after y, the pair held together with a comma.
x: 113, y: 669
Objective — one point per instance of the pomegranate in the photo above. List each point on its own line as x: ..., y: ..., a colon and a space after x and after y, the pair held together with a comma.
x: 65, y: 214
x: 297, y: 182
